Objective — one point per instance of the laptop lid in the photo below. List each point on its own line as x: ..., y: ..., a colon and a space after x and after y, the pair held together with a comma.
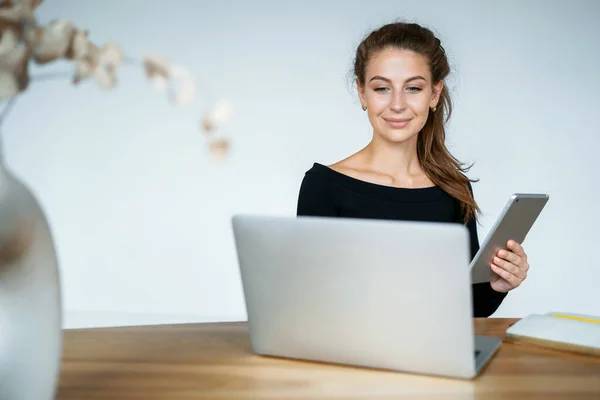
x: 374, y: 293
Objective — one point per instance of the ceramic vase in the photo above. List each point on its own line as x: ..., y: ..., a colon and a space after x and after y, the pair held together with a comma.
x: 30, y: 300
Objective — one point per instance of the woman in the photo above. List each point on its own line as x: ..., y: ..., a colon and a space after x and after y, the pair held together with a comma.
x: 406, y: 172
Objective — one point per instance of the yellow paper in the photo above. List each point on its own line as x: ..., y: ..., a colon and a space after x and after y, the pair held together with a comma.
x: 582, y: 318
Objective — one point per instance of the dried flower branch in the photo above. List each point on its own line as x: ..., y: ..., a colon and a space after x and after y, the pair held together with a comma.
x: 23, y: 40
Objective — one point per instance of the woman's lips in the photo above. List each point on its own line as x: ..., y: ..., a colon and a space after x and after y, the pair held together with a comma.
x: 397, y: 122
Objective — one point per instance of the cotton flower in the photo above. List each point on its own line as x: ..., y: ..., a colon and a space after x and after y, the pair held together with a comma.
x: 109, y: 59
x: 111, y: 55
x: 157, y: 71
x: 105, y: 77
x: 80, y: 45
x: 13, y: 15
x: 98, y: 63
x: 222, y: 112
x: 84, y: 55
x: 177, y: 81
x: 219, y: 148
x: 51, y: 42
x: 14, y: 56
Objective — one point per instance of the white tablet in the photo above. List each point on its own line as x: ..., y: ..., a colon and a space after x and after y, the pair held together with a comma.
x: 515, y: 221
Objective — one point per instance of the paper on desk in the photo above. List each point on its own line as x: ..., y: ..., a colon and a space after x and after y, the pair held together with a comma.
x: 573, y: 332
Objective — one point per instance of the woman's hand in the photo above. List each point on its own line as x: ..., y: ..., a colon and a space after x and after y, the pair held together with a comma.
x: 510, y: 266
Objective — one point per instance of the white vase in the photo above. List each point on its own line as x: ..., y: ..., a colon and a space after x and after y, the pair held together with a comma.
x: 30, y: 300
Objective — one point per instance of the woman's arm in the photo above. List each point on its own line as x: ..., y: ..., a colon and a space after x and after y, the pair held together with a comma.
x: 485, y: 299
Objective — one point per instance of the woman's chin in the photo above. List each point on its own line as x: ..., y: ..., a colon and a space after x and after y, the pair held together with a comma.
x: 398, y: 136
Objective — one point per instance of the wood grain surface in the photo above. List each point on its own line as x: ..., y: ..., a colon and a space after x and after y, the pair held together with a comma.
x: 214, y: 361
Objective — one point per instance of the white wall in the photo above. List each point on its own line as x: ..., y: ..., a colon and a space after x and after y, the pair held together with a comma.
x: 141, y: 213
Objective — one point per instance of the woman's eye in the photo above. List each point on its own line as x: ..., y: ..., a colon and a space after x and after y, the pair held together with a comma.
x: 381, y: 89
x: 414, y: 89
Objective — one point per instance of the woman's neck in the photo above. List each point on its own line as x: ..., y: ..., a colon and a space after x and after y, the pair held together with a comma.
x: 394, y: 159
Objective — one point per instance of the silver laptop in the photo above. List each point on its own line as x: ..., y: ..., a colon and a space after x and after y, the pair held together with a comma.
x: 374, y: 293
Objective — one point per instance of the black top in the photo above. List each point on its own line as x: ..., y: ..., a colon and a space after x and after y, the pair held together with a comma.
x: 328, y: 193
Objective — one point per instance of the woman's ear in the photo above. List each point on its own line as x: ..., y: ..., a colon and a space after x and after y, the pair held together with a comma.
x: 361, y: 93
x: 437, y: 92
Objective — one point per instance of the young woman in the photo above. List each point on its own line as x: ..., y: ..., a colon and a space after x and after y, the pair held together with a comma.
x: 406, y: 172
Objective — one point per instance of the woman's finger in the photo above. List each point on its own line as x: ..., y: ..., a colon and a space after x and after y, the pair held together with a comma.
x: 510, y: 267
x: 510, y: 257
x: 517, y: 248
x: 513, y: 280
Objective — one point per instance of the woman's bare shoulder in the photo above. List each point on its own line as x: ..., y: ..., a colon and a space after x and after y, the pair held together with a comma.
x: 355, y: 168
x: 349, y: 166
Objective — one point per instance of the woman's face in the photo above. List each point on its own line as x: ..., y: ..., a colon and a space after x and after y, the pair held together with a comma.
x: 398, y: 94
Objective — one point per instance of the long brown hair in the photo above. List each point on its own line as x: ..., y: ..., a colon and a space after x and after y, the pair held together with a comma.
x: 441, y: 167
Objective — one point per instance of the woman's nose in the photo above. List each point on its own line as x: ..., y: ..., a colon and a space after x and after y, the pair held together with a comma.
x: 397, y: 102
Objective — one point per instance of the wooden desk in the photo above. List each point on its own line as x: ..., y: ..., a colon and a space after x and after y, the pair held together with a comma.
x: 214, y: 361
